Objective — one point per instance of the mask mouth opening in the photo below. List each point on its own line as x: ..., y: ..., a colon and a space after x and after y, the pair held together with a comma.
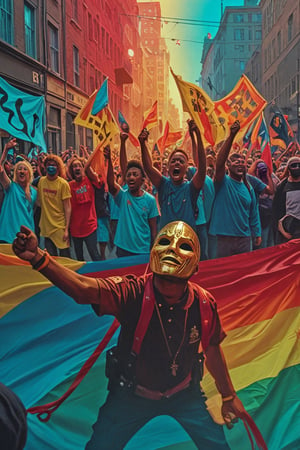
x: 170, y: 259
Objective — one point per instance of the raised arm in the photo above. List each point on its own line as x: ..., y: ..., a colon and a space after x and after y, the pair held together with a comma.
x: 224, y: 152
x: 79, y: 287
x: 4, y: 179
x: 111, y: 182
x: 123, y: 156
x: 198, y: 155
x: 153, y: 174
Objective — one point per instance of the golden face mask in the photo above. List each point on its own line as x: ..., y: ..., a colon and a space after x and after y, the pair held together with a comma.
x: 176, y: 251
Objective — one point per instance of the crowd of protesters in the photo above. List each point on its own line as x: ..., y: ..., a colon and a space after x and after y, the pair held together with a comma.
x: 228, y: 194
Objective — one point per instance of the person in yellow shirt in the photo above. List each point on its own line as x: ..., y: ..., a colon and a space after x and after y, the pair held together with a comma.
x: 54, y: 197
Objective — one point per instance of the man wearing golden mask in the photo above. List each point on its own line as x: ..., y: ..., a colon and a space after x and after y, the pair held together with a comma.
x: 155, y: 369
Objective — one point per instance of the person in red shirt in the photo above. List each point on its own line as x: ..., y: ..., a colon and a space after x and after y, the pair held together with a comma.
x: 83, y: 223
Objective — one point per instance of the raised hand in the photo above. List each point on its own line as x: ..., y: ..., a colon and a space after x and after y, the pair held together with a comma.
x: 107, y: 152
x: 143, y: 136
x: 235, y: 128
x: 25, y: 246
x: 124, y: 131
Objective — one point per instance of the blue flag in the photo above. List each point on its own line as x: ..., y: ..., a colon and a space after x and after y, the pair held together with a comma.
x: 101, y: 99
x: 121, y: 118
x: 22, y: 115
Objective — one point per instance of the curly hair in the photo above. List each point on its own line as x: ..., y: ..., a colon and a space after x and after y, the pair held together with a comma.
x: 70, y: 171
x: 59, y: 162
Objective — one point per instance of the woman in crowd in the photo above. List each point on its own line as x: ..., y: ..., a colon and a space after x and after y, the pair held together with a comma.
x: 19, y: 199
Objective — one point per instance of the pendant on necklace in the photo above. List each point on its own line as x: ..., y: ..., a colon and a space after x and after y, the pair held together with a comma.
x: 174, y: 368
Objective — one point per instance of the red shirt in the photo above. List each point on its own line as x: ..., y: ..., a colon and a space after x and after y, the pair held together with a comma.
x: 122, y: 298
x: 83, y: 217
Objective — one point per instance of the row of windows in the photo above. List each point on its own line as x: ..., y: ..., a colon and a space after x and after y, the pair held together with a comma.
x: 248, y: 17
x: 271, y: 88
x: 101, y: 37
x: 242, y: 34
x: 272, y: 12
x: 30, y: 34
x: 274, y: 49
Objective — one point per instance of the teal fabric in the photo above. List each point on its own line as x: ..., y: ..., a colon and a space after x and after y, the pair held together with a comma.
x: 22, y: 115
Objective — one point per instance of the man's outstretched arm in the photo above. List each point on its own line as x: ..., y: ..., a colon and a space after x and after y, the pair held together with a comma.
x: 81, y: 288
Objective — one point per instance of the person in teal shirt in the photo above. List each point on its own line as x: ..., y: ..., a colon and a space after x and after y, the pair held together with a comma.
x: 137, y: 224
x: 19, y: 199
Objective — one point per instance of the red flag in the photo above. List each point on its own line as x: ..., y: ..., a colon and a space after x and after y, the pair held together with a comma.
x: 161, y: 143
x: 151, y: 118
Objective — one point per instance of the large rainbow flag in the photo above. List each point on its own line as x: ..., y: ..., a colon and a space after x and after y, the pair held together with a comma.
x: 46, y: 337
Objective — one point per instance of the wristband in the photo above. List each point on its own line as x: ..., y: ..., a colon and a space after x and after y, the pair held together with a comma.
x: 228, y: 399
x: 42, y: 263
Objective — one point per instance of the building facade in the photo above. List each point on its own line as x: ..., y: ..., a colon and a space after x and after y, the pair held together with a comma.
x: 64, y: 50
x: 280, y: 57
x: 225, y: 57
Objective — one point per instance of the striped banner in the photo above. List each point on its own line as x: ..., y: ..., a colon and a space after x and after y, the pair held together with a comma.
x: 46, y: 337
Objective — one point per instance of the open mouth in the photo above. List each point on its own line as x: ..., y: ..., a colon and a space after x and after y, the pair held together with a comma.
x: 170, y: 259
x: 176, y: 172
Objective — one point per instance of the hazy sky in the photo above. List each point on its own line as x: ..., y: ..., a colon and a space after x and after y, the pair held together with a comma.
x: 186, y: 57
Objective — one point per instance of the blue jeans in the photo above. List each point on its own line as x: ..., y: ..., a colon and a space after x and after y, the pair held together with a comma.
x: 233, y: 245
x: 203, y: 239
x: 53, y: 250
x: 124, y: 413
x: 91, y: 245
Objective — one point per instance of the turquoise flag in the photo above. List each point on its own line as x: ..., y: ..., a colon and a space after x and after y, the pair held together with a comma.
x: 22, y: 115
x: 101, y: 99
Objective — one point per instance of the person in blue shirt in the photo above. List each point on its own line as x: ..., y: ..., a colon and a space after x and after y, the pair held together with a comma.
x: 235, y: 216
x: 176, y: 195
x: 19, y: 199
x: 136, y: 229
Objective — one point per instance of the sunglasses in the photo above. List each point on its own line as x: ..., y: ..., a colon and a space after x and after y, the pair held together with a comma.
x: 294, y: 165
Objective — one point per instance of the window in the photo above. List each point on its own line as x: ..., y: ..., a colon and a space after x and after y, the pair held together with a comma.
x: 103, y: 38
x: 89, y: 139
x: 76, y: 66
x: 54, y: 130
x: 239, y: 34
x: 70, y: 130
x: 30, y: 34
x: 238, y: 18
x: 90, y: 27
x: 92, y: 79
x: 258, y: 35
x: 279, y: 42
x: 6, y: 21
x: 242, y: 65
x: 256, y: 17
x: 53, y: 48
x: 75, y: 10
x: 290, y: 27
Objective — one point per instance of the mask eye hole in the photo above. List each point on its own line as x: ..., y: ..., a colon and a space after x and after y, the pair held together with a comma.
x: 164, y: 241
x: 185, y: 246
